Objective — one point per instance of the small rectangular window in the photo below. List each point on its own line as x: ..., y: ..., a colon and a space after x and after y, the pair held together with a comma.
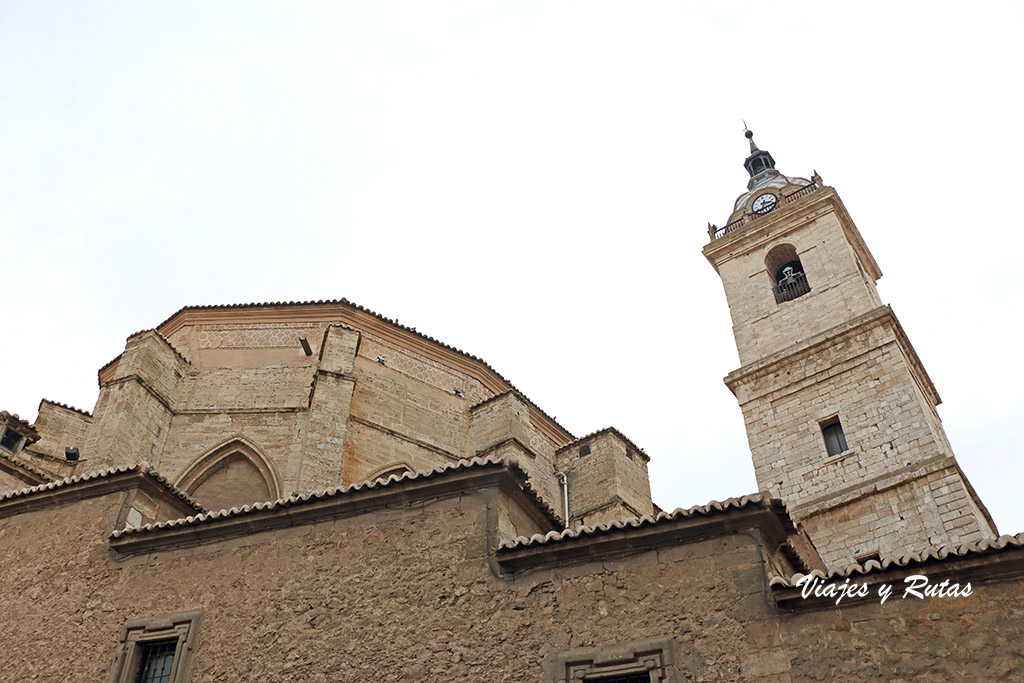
x: 835, y: 439
x: 157, y: 649
x: 584, y: 450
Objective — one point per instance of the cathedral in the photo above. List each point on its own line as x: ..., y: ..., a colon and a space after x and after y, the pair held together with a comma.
x: 310, y: 491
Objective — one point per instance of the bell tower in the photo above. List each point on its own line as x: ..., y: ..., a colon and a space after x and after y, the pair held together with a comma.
x: 839, y: 411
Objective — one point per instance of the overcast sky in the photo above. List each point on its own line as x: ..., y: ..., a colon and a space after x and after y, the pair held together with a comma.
x: 529, y: 182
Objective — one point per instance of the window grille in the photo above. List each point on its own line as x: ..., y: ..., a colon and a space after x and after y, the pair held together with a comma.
x: 156, y: 661
x: 641, y: 677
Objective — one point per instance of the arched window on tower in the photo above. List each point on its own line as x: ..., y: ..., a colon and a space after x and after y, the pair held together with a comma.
x: 788, y: 278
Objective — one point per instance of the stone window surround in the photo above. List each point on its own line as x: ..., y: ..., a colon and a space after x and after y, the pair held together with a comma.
x: 183, y: 626
x: 19, y: 439
x: 654, y: 656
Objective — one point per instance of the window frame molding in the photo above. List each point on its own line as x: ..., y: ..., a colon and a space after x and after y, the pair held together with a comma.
x: 653, y: 656
x: 182, y: 626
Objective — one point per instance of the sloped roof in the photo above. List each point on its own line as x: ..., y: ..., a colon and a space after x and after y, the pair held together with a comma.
x: 602, y: 432
x: 30, y: 469
x: 24, y: 427
x: 101, y: 474
x: 762, y: 500
x: 927, y: 556
x: 299, y: 499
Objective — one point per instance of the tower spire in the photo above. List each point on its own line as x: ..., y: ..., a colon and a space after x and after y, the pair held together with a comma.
x: 760, y: 163
x: 750, y: 136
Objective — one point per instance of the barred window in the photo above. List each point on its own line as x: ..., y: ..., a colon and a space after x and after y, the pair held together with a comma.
x: 157, y: 649
x: 156, y: 661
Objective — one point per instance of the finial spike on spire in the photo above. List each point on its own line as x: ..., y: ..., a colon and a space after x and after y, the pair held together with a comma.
x: 750, y: 136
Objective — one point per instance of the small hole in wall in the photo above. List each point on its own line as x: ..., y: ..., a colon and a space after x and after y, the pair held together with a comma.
x: 584, y: 450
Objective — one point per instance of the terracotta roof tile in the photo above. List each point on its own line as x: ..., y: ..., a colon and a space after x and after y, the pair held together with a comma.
x: 928, y: 555
x: 13, y: 417
x: 301, y: 498
x: 714, y: 507
x: 32, y: 469
x: 601, y: 432
x: 66, y: 406
x: 70, y: 481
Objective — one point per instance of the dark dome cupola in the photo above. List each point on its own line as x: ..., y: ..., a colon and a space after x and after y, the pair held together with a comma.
x: 759, y: 162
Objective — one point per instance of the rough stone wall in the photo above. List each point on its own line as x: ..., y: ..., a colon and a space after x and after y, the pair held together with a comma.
x: 329, y: 407
x: 407, y: 594
x: 839, y: 290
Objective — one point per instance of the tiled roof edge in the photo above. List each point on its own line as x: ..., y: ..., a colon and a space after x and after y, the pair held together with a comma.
x: 932, y: 554
x: 602, y: 432
x: 65, y: 406
x: 100, y: 474
x: 24, y: 424
x: 753, y: 500
x: 336, y: 491
x: 30, y: 468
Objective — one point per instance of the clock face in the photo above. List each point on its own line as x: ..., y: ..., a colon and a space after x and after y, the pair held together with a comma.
x: 764, y: 203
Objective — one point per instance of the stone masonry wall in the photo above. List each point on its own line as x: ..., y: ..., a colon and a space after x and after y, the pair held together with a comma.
x: 407, y: 595
x: 933, y: 510
x: 864, y: 378
x: 607, y: 484
x: 502, y: 426
x: 838, y: 288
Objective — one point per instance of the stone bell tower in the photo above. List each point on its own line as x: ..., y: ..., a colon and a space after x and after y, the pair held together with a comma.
x: 839, y: 411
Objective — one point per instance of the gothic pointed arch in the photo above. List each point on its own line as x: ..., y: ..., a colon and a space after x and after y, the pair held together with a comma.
x: 236, y: 472
x: 395, y: 468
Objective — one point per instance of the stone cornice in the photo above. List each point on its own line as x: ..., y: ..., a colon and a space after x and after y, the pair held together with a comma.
x: 808, y: 347
x: 883, y: 482
x: 787, y: 219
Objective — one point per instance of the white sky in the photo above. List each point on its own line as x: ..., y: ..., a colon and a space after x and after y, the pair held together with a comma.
x: 529, y: 182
